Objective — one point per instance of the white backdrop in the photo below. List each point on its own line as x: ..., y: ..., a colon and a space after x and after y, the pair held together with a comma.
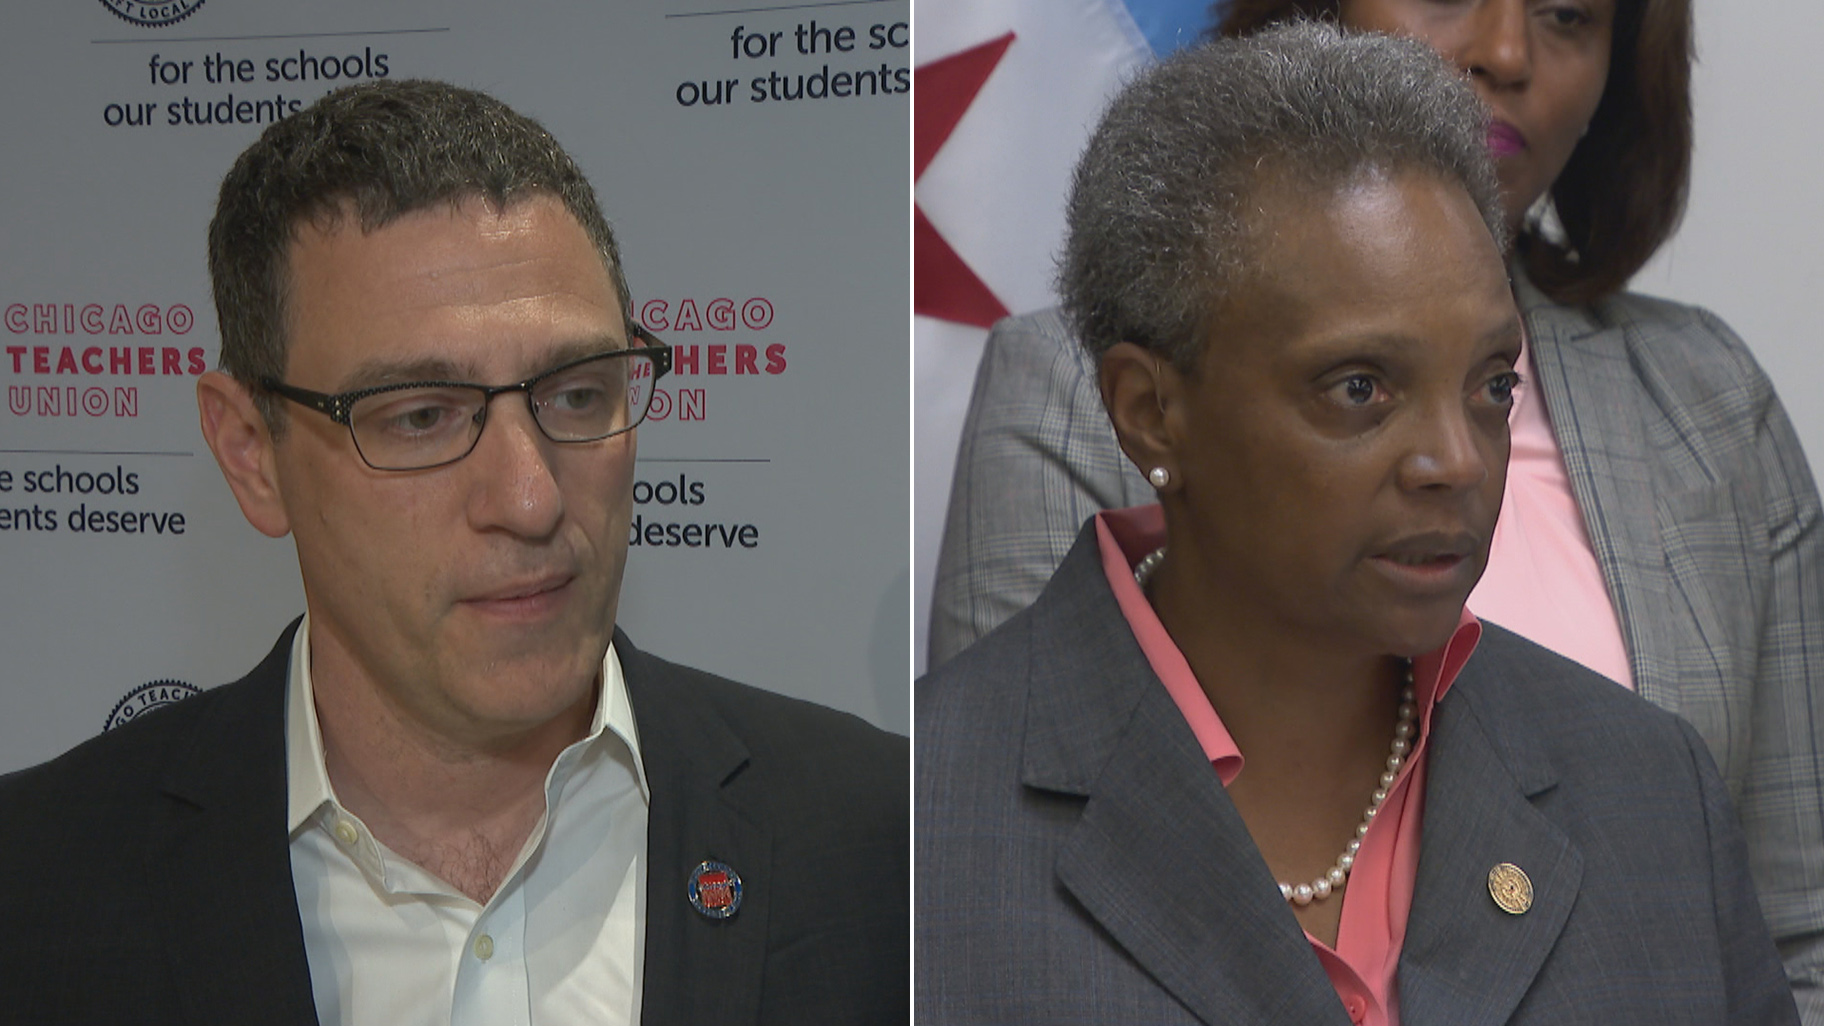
x: 764, y: 236
x: 1749, y: 248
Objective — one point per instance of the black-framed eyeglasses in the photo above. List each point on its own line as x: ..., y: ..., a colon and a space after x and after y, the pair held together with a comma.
x: 418, y: 425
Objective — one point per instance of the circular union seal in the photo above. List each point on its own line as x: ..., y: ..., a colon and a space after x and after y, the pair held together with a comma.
x: 152, y: 13
x: 148, y: 697
x: 714, y: 890
x: 1510, y: 888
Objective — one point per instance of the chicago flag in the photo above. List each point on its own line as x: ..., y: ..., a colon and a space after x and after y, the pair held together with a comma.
x: 1005, y: 94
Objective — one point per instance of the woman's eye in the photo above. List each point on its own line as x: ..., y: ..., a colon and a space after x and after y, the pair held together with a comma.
x: 1568, y: 17
x: 1355, y: 390
x: 1501, y: 387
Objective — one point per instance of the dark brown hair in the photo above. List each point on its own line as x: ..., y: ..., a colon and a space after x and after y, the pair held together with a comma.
x: 1621, y: 195
x: 374, y: 152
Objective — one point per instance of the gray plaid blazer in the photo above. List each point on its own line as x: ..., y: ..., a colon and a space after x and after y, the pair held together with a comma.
x: 1077, y: 860
x: 1696, y: 495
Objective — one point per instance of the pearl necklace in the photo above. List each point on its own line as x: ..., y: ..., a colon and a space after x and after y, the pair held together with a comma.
x: 1403, y: 731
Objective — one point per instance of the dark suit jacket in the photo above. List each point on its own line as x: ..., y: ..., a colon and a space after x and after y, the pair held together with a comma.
x: 1698, y: 501
x: 146, y: 874
x: 1079, y: 862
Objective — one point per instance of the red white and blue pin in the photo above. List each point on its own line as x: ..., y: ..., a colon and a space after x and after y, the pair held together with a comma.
x: 715, y: 889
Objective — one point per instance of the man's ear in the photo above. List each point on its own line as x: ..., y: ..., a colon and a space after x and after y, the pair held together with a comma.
x: 242, y: 445
x: 1139, y: 388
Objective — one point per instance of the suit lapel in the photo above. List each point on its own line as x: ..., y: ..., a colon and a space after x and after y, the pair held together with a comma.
x: 1465, y: 961
x: 1170, y: 872
x: 1160, y: 858
x: 1582, y: 369
x: 226, y: 870
x: 697, y: 970
x: 1665, y: 546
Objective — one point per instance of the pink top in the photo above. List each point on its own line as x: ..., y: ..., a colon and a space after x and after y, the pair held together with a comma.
x: 1363, y: 965
x: 1542, y: 580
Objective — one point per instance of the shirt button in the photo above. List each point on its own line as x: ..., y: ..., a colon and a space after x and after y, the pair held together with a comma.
x: 345, y: 832
x: 484, y: 947
x: 1358, y: 1009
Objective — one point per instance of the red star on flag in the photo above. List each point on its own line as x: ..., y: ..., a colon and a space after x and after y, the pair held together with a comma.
x: 943, y: 285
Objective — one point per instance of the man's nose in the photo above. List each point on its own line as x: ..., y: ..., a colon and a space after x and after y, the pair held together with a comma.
x: 515, y: 485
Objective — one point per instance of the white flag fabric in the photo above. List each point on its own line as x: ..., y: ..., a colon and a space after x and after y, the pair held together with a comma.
x: 1006, y: 92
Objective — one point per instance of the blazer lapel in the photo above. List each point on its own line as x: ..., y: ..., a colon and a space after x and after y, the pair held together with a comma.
x: 697, y: 969
x: 1160, y: 858
x: 226, y: 871
x: 1582, y: 368
x: 1465, y: 961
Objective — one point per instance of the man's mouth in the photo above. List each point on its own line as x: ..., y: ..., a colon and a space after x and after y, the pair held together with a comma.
x: 527, y: 597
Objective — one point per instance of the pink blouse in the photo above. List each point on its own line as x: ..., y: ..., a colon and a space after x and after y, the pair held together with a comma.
x: 1363, y: 965
x: 1542, y: 580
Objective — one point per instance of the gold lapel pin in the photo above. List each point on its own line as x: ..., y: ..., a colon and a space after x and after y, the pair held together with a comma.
x: 1510, y: 888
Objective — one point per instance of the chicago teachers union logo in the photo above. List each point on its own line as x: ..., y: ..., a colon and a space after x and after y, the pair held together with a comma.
x: 153, y: 13
x: 147, y: 697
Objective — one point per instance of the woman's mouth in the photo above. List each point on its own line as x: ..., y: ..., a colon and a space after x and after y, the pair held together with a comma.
x: 1504, y: 140
x: 1430, y: 564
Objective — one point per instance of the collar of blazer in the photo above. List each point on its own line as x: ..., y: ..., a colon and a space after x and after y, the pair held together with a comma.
x: 233, y: 914
x: 1611, y: 385
x: 1585, y: 374
x: 226, y: 872
x: 697, y: 970
x: 1161, y: 859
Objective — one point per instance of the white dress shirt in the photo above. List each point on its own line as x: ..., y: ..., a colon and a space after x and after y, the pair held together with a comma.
x: 561, y: 941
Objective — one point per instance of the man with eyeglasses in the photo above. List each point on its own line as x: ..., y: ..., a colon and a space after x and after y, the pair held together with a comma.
x: 453, y: 792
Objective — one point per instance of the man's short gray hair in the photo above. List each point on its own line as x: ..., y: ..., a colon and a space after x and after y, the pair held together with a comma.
x: 1160, y: 218
x: 376, y: 151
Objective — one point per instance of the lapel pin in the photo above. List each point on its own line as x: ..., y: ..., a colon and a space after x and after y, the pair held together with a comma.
x: 1510, y: 888
x: 715, y: 890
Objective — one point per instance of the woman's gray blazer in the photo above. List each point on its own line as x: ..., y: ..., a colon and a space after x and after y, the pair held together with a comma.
x: 1077, y: 860
x: 1697, y: 498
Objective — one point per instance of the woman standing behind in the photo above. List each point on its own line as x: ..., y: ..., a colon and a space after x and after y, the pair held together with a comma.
x: 1660, y: 523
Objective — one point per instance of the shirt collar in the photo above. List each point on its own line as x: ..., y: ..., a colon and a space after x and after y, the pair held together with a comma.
x: 1125, y: 536
x: 307, y: 772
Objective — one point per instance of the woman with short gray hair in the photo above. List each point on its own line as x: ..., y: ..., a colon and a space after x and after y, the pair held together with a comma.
x: 1661, y: 523
x: 1248, y: 759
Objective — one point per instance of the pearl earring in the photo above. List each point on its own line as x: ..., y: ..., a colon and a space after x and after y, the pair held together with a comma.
x: 1159, y: 477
